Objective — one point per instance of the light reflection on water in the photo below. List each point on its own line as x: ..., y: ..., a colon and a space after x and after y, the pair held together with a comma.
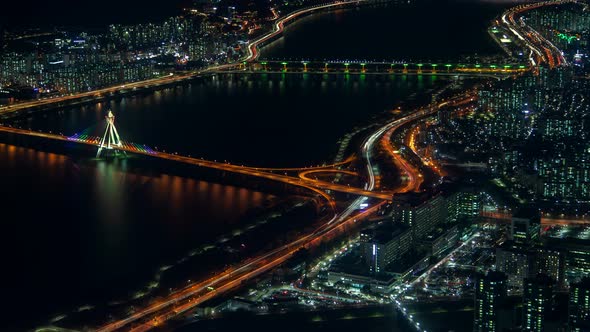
x: 87, y: 229
x: 246, y: 119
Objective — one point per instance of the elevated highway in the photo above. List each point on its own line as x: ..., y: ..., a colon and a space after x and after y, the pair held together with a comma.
x: 179, y: 302
x: 541, y: 50
x: 250, y: 171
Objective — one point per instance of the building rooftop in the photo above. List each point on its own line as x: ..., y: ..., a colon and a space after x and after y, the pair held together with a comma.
x: 412, y: 199
x: 495, y: 276
x: 439, y: 232
x: 386, y: 231
x: 527, y: 213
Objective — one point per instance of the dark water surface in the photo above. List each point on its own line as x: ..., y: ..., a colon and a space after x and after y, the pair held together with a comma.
x: 78, y: 229
x: 422, y: 30
x: 87, y: 229
x: 259, y: 119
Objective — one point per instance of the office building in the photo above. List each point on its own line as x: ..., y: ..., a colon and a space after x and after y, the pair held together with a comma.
x: 490, y: 291
x: 516, y: 262
x: 385, y: 245
x: 420, y: 212
x: 579, y: 306
x: 441, y: 240
x: 550, y: 262
x: 464, y: 204
x: 538, y: 301
x: 525, y: 226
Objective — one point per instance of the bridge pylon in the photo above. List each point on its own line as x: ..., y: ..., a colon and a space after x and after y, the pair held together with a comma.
x: 110, y: 140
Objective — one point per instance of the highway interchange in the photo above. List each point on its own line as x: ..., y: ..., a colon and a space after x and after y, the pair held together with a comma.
x: 541, y: 51
x: 199, y: 292
x: 196, y: 293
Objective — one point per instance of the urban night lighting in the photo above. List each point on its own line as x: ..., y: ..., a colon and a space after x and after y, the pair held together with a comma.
x: 279, y: 164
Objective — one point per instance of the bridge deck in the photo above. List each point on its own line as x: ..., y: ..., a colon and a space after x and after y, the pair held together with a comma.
x: 250, y: 171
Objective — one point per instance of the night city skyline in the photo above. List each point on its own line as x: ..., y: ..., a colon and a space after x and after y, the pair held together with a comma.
x: 299, y: 165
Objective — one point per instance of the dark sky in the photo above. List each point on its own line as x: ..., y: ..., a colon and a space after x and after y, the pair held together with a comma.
x: 95, y: 13
x: 84, y: 12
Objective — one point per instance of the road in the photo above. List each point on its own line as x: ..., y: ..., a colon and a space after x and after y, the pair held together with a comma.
x: 250, y: 171
x: 195, y: 294
x: 541, y: 50
x: 198, y: 293
x: 347, y: 161
x: 171, y: 78
x: 414, y: 177
x: 384, y: 134
x: 279, y: 25
x: 546, y: 219
x: 323, y: 171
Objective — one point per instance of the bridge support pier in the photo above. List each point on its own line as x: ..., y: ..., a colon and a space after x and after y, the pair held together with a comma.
x: 110, y: 140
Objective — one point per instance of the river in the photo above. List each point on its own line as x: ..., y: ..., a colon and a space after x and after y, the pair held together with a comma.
x: 442, y: 30
x: 88, y: 231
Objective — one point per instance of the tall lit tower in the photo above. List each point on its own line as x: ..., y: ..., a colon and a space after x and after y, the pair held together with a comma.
x: 110, y: 139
